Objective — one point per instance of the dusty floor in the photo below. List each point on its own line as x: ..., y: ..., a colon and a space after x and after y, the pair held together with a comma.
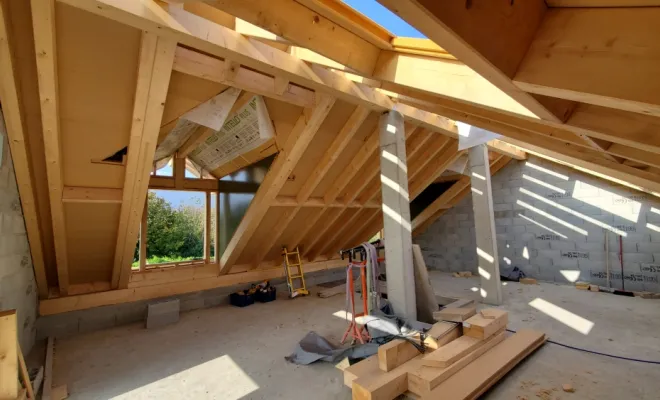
x: 231, y: 353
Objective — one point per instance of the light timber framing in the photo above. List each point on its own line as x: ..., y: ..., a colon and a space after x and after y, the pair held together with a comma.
x: 303, y: 133
x: 513, y: 68
x: 156, y: 59
x: 43, y: 23
x: 15, y: 127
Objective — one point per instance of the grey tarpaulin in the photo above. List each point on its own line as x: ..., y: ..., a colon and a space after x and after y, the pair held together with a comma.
x: 380, y: 325
x: 314, y: 348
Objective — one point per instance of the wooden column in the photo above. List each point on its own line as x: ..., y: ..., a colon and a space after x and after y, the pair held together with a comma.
x: 217, y: 229
x: 143, y: 236
x: 43, y: 21
x: 207, y: 229
x: 396, y: 215
x: 484, y: 223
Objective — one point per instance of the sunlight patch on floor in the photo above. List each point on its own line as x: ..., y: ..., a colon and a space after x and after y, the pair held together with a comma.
x: 562, y: 315
x: 231, y: 380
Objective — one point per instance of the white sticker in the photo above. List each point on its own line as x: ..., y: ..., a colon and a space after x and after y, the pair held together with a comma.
x: 467, y: 325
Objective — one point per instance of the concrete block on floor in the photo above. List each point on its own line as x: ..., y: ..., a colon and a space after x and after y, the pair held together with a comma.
x: 163, y: 313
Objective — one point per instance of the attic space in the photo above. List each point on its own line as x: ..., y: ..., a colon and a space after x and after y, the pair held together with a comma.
x: 329, y: 199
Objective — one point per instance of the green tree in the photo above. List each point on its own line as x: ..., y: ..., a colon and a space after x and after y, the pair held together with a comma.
x: 173, y: 232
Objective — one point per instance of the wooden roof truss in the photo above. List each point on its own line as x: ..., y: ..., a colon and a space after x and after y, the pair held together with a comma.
x: 515, y: 68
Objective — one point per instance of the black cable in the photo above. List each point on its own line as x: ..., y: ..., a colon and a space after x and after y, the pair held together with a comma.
x: 598, y: 352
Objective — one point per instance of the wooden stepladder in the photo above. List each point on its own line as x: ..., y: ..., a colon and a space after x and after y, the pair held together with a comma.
x: 295, y: 277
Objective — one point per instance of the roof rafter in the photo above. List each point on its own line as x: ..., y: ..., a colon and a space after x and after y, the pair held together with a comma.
x: 371, y: 170
x: 306, y: 28
x: 154, y: 71
x: 43, y: 23
x: 303, y: 133
x: 451, y: 196
x: 514, y: 128
x: 452, y: 26
x: 16, y: 132
x: 616, y: 47
x: 329, y: 157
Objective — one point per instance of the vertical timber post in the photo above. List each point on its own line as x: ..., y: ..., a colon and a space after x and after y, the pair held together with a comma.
x: 484, y: 223
x: 396, y: 215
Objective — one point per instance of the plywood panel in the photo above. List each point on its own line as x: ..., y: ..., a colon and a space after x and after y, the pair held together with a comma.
x: 362, y: 177
x: 265, y: 228
x: 340, y: 112
x: 187, y: 92
x: 97, y: 68
x: 29, y: 96
x: 366, y: 130
x: 299, y: 222
x: 91, y: 236
x: 284, y: 117
x: 329, y: 235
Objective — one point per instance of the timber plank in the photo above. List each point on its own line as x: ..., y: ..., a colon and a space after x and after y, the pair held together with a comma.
x: 8, y: 355
x: 395, y: 353
x: 452, y: 352
x: 481, y: 327
x: 365, y: 367
x: 473, y: 380
x: 454, y: 314
x: 386, y: 385
x: 424, y: 379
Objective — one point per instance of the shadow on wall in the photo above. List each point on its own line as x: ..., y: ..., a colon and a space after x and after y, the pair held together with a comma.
x: 559, y: 225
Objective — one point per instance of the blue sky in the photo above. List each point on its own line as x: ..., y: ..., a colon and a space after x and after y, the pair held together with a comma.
x: 384, y: 17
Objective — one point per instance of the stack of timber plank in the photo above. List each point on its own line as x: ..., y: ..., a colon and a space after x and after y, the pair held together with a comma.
x: 463, y: 360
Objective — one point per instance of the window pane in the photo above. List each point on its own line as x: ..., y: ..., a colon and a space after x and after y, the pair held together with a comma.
x: 175, y: 226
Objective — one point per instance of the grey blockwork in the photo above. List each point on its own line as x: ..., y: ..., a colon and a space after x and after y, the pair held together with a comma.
x: 551, y: 222
x: 83, y: 321
x: 163, y: 313
x: 18, y: 288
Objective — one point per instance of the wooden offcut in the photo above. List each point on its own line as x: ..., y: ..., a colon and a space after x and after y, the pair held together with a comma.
x: 8, y: 355
x: 441, y: 333
x: 424, y: 379
x: 386, y: 385
x: 25, y: 376
x: 475, y: 378
x: 452, y: 352
x: 365, y: 367
x: 454, y: 314
x: 395, y: 353
x: 528, y: 281
x: 481, y: 328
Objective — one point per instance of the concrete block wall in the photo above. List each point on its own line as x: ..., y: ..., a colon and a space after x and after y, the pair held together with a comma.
x: 84, y: 321
x: 18, y: 289
x: 552, y: 222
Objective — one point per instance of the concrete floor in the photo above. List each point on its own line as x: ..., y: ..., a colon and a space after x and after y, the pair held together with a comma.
x: 231, y: 353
